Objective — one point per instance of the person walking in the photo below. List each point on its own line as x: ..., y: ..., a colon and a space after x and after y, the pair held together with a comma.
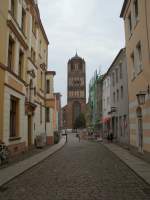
x: 79, y: 137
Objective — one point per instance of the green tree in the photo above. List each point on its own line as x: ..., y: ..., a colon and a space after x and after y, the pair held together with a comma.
x: 80, y: 121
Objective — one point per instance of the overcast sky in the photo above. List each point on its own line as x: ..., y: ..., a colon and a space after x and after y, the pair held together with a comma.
x: 93, y: 27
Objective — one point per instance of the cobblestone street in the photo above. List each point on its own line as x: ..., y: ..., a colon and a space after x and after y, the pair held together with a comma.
x: 79, y: 171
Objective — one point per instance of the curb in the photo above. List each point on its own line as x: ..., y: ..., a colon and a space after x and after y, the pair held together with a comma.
x: 9, y: 173
x: 135, y: 171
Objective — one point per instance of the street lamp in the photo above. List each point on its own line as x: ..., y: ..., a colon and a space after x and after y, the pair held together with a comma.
x: 141, y: 97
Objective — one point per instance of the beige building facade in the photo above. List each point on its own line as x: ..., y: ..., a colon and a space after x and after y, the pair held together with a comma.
x: 23, y: 73
x: 136, y: 17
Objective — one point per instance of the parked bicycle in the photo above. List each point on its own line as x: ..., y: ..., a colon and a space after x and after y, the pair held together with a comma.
x: 4, y: 153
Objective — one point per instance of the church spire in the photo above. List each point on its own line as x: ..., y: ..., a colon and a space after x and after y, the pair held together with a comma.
x: 76, y: 53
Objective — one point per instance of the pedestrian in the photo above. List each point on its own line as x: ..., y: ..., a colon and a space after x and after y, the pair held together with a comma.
x: 79, y: 137
x: 111, y: 136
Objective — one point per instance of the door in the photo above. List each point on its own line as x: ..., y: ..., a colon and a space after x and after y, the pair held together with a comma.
x: 140, y: 129
x: 29, y: 130
x: 140, y: 134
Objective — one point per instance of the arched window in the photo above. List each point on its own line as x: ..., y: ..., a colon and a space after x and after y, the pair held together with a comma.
x: 76, y: 109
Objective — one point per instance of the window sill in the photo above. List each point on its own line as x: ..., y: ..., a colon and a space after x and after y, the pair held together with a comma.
x: 136, y: 23
x: 133, y: 78
x: 14, y: 138
x: 140, y: 71
x: 34, y: 33
x: 130, y: 35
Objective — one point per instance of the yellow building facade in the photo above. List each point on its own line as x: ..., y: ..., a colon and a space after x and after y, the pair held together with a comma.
x: 23, y: 67
x: 136, y: 17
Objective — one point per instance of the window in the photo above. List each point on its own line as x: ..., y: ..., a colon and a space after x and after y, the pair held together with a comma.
x: 13, y: 7
x: 47, y: 115
x: 117, y: 95
x: 136, y: 9
x: 41, y: 80
x: 120, y: 124
x: 48, y: 86
x: 107, y: 101
x: 41, y: 113
x: 121, y: 92
x: 130, y: 22
x: 14, y: 116
x: 10, y: 53
x: 139, y: 52
x: 80, y: 67
x: 133, y: 64
x: 114, y: 97
x: 33, y: 55
x: 23, y: 20
x: 120, y: 70
x: 113, y: 79
x: 76, y: 67
x: 116, y: 75
x: 40, y: 46
x: 107, y: 82
x: 21, y: 60
x: 125, y: 123
x: 34, y: 26
x: 72, y: 67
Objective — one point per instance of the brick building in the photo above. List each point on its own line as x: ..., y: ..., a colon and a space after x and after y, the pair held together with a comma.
x: 76, y: 91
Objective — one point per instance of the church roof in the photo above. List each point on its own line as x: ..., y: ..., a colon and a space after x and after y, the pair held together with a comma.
x: 76, y: 57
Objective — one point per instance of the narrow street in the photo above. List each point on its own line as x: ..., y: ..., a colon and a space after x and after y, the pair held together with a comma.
x: 79, y: 171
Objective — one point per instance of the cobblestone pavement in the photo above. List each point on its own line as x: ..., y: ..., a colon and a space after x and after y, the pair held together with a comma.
x: 80, y: 171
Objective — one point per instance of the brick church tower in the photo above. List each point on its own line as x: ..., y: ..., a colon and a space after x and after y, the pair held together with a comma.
x: 76, y: 91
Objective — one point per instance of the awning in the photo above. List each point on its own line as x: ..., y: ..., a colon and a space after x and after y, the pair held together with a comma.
x: 105, y: 120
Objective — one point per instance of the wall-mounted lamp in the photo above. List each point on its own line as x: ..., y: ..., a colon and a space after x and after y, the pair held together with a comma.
x: 141, y: 96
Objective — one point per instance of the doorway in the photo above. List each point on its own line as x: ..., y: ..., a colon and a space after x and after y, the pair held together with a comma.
x: 29, y: 130
x: 140, y: 129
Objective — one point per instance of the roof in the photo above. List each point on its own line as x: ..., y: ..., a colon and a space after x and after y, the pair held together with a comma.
x: 123, y: 7
x: 120, y: 52
x: 76, y: 57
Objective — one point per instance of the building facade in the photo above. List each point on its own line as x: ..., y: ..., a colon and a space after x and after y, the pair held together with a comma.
x: 119, y: 98
x: 23, y: 67
x: 106, y: 105
x: 136, y: 16
x: 76, y: 90
x: 95, y: 102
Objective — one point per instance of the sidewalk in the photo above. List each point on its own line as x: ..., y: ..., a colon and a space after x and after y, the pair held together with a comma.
x: 6, y: 174
x: 140, y: 167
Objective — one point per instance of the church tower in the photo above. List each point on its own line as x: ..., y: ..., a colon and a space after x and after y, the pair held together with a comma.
x: 76, y: 89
